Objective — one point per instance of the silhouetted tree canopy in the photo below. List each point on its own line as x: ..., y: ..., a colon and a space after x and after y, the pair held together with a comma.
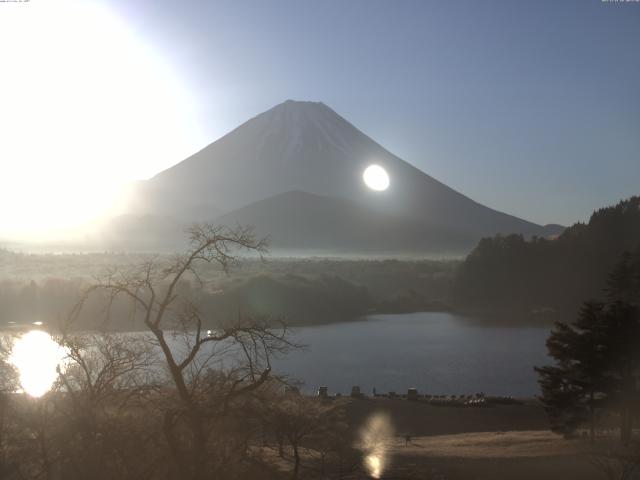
x: 597, y: 358
x: 543, y: 275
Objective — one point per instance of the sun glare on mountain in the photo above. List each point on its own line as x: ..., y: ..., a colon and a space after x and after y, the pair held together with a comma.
x: 376, y: 178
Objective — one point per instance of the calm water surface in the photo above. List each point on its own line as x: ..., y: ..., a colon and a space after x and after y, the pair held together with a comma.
x: 438, y: 353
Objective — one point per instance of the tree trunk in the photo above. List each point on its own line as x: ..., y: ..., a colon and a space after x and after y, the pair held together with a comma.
x: 625, y: 425
x: 627, y: 400
x: 296, y: 459
x: 280, y: 441
x: 592, y: 419
x: 194, y: 419
x: 188, y: 458
x: 199, y: 445
x: 178, y: 466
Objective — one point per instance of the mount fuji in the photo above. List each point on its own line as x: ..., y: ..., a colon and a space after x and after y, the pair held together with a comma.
x: 295, y: 173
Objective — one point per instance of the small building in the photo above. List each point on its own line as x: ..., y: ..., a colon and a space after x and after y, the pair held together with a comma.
x: 412, y: 394
x: 323, y: 392
x: 355, y: 391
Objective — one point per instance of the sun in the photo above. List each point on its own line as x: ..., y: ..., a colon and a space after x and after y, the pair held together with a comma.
x: 87, y: 106
x: 376, y: 178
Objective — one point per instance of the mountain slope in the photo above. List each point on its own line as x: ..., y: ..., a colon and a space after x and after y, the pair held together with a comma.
x: 298, y: 220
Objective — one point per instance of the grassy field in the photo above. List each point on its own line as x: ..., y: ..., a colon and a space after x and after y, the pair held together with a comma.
x: 533, y: 454
x: 502, y: 442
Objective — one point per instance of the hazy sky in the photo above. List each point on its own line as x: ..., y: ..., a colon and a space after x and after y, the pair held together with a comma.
x: 532, y: 108
x: 529, y: 107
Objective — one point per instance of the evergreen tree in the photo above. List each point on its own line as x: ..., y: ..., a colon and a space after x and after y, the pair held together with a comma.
x: 622, y: 362
x: 597, y: 367
x: 573, y: 390
x: 623, y: 291
x: 624, y: 281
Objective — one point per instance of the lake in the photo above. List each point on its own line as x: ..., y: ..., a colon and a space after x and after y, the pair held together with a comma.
x: 435, y: 352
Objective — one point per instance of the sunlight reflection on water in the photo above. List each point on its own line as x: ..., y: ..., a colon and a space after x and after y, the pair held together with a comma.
x: 37, y: 357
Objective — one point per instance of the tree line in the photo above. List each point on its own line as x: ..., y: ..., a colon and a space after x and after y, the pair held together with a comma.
x: 516, y: 275
x: 302, y: 292
x: 301, y: 300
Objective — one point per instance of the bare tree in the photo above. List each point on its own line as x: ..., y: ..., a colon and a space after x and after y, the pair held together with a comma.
x: 101, y: 387
x: 8, y: 385
x: 190, y: 346
x: 297, y: 419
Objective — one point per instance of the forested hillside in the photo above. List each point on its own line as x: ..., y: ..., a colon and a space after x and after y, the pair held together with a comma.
x: 547, y: 276
x: 44, y: 288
